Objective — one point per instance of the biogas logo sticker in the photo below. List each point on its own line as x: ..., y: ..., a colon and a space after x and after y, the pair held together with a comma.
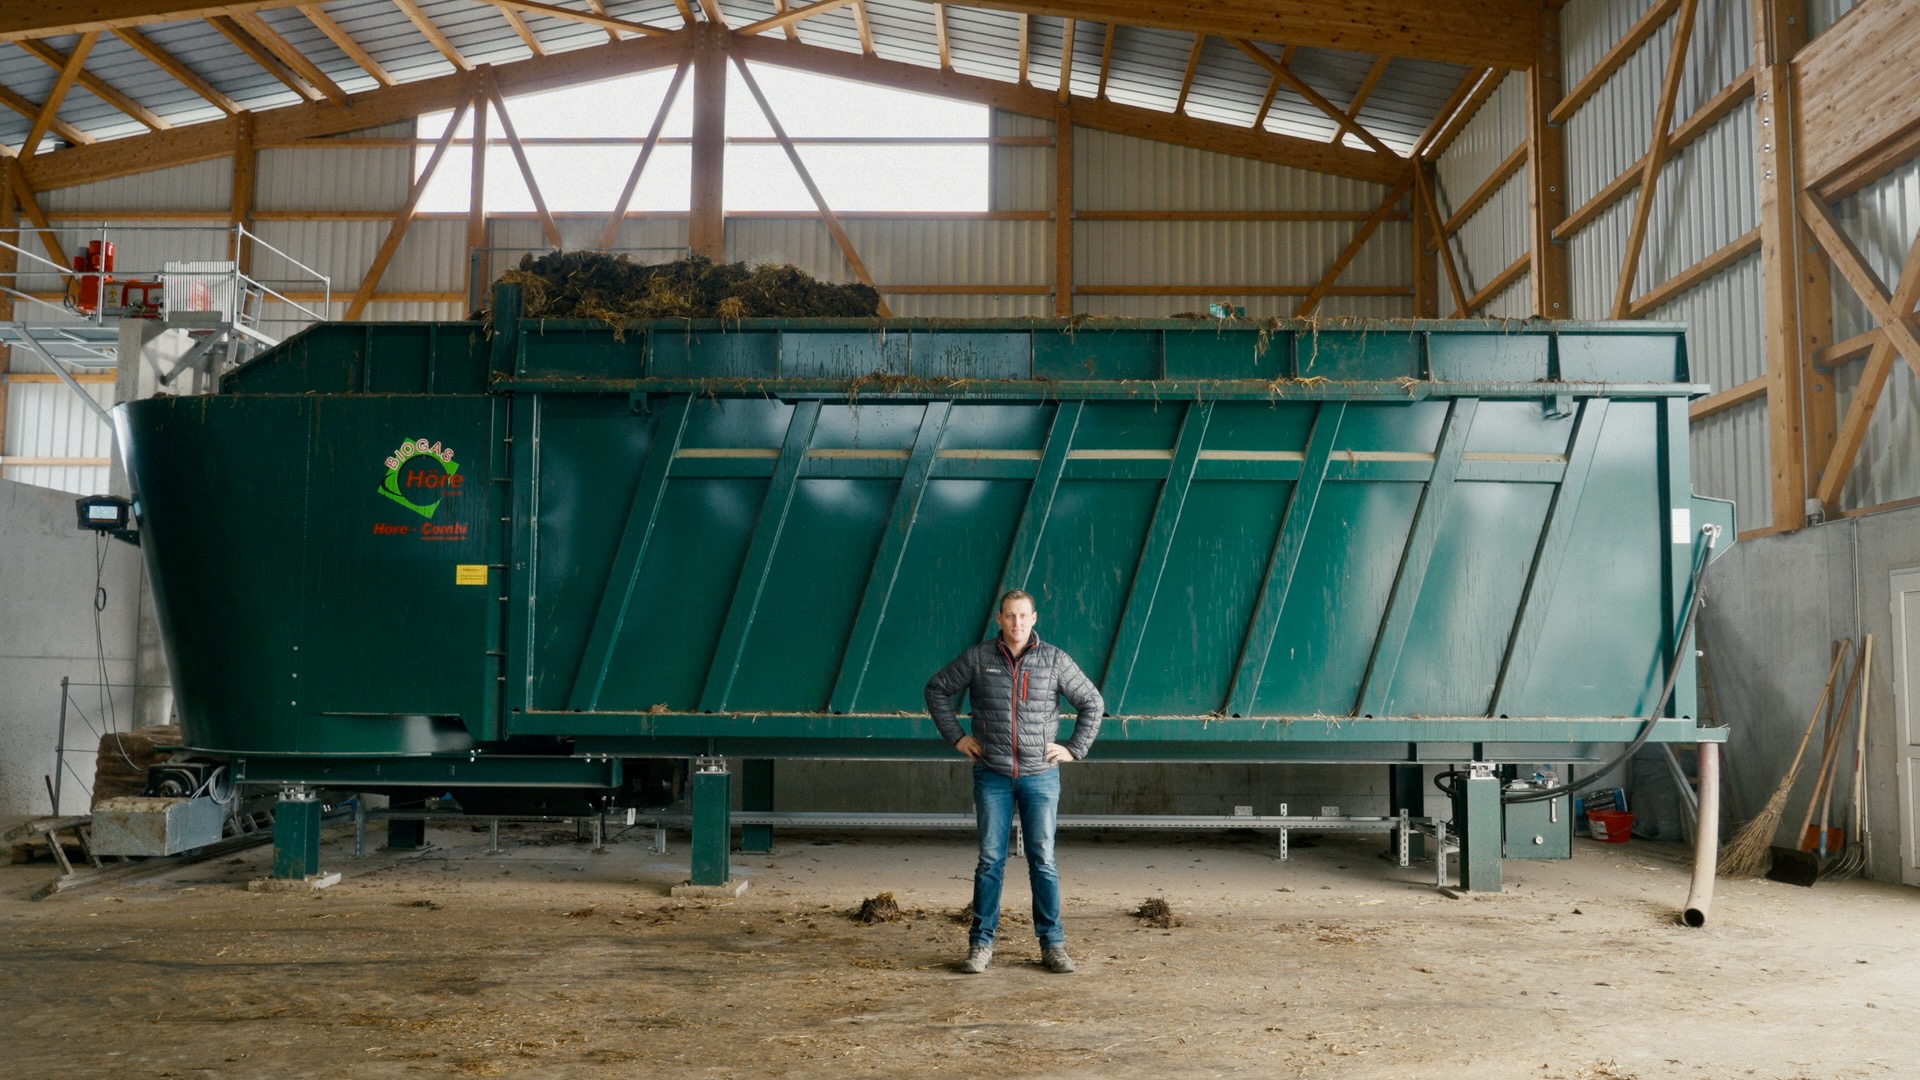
x: 421, y: 474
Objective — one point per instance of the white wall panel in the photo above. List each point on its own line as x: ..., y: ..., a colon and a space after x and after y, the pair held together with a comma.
x: 1234, y: 252
x: 1491, y: 240
x: 350, y: 178
x: 1726, y: 346
x: 1022, y: 176
x: 1499, y: 126
x: 1513, y: 302
x: 205, y: 185
x: 1160, y: 307
x: 972, y: 307
x: 1707, y: 198
x: 1117, y: 172
x: 46, y: 420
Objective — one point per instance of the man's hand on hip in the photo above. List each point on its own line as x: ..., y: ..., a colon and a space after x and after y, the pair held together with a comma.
x: 969, y: 746
x: 1057, y: 754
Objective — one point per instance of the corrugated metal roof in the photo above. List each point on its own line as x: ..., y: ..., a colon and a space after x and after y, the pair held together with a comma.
x: 1148, y: 66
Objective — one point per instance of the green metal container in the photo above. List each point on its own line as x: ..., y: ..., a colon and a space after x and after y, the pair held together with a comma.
x: 444, y: 554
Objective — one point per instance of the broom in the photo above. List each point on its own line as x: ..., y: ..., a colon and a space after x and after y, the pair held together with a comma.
x: 1748, y: 852
x: 1853, y: 858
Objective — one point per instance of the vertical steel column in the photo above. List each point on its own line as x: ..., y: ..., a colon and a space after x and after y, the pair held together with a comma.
x: 1476, y: 817
x: 296, y: 834
x: 712, y: 821
x: 756, y: 793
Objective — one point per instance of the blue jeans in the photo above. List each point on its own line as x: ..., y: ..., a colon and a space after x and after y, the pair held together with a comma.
x: 995, y: 797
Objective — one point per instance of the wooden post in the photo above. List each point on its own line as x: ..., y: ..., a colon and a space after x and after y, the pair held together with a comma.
x: 1063, y: 213
x: 9, y: 263
x: 245, y: 162
x: 1546, y: 174
x: 1802, y: 421
x: 477, y: 261
x: 706, y: 213
x: 1656, y: 158
x: 1426, y: 268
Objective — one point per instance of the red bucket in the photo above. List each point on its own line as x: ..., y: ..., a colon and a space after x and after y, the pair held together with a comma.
x: 1610, y: 826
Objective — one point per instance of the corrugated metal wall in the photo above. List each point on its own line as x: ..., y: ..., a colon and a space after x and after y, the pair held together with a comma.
x: 1882, y: 219
x: 46, y: 420
x: 1706, y: 198
x: 1496, y: 235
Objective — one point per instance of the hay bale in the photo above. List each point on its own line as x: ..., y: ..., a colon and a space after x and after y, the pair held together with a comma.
x: 125, y: 757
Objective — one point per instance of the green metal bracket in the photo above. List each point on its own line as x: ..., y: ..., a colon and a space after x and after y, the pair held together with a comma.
x: 296, y: 834
x: 759, y: 560
x: 756, y: 793
x: 886, y: 561
x: 625, y: 574
x: 1039, y: 506
x: 712, y: 822
x: 1477, y: 821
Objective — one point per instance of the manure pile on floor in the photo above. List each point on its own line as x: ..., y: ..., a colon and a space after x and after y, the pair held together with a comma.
x: 616, y: 290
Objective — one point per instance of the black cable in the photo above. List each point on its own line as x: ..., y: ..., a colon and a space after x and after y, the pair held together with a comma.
x: 1695, y: 600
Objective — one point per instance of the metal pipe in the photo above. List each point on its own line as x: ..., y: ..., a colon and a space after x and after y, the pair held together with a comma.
x: 60, y: 748
x: 1706, y: 837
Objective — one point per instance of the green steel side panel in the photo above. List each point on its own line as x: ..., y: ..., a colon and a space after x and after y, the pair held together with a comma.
x: 760, y: 538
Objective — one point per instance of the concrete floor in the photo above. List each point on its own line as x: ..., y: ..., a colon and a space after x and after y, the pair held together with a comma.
x: 550, y: 960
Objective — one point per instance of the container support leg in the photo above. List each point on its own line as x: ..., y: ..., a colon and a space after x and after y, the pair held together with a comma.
x: 1477, y: 817
x: 1406, y: 796
x: 712, y: 821
x: 406, y: 835
x: 296, y: 834
x: 756, y: 793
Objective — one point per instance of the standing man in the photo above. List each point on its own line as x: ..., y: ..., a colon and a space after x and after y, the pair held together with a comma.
x: 1016, y: 682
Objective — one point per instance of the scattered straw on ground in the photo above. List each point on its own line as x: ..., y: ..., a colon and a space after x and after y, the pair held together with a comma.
x: 876, y: 909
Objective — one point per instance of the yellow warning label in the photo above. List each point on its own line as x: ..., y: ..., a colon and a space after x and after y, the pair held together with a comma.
x: 470, y: 574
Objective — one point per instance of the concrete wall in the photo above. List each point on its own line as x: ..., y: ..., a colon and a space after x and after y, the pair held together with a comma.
x: 47, y: 578
x: 1775, y: 605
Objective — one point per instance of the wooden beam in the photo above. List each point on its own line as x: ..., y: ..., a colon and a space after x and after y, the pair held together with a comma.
x: 940, y: 37
x: 10, y: 182
x: 260, y: 54
x: 786, y: 20
x: 26, y: 202
x: 1656, y: 158
x: 1503, y: 172
x: 286, y: 126
x: 44, y: 18
x: 1498, y: 284
x: 1360, y: 237
x: 1546, y: 160
x: 1266, y: 103
x: 292, y: 57
x: 600, y: 8
x: 32, y: 112
x: 1360, y: 96
x: 834, y: 227
x: 611, y: 234
x: 1066, y: 62
x: 1230, y: 215
x: 97, y: 86
x: 1313, y: 97
x: 339, y: 36
x: 172, y: 65
x: 1717, y: 108
x: 1024, y: 41
x: 240, y: 204
x: 1751, y: 390
x: 1476, y: 32
x: 1106, y: 62
x: 1193, y: 66
x: 526, y: 33
x: 1857, y: 97
x: 1426, y: 267
x: 520, y: 157
x: 1686, y: 280
x: 715, y: 16
x: 706, y: 223
x: 477, y: 262
x: 403, y: 218
x: 863, y: 27
x: 1897, y: 335
x: 1800, y: 425
x: 1616, y: 57
x: 597, y: 17
x: 1424, y: 201
x: 431, y: 31
x: 1063, y: 214
x: 1099, y: 115
x: 1842, y: 353
x: 69, y: 74
x: 92, y: 378
x: 1457, y: 111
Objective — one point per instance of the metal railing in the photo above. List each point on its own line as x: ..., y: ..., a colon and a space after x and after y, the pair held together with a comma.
x: 99, y: 723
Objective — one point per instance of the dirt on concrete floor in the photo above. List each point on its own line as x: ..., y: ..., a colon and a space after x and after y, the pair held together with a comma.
x: 551, y: 960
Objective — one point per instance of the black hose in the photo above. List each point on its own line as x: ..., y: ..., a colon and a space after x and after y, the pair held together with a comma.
x: 1695, y: 599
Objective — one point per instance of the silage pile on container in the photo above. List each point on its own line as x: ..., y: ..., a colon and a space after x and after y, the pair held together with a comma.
x: 616, y: 290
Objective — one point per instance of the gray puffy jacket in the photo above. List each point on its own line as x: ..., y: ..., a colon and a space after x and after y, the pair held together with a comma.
x: 1034, y: 683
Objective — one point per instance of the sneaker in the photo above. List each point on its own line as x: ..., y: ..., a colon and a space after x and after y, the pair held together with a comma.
x: 978, y: 957
x: 1056, y: 959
